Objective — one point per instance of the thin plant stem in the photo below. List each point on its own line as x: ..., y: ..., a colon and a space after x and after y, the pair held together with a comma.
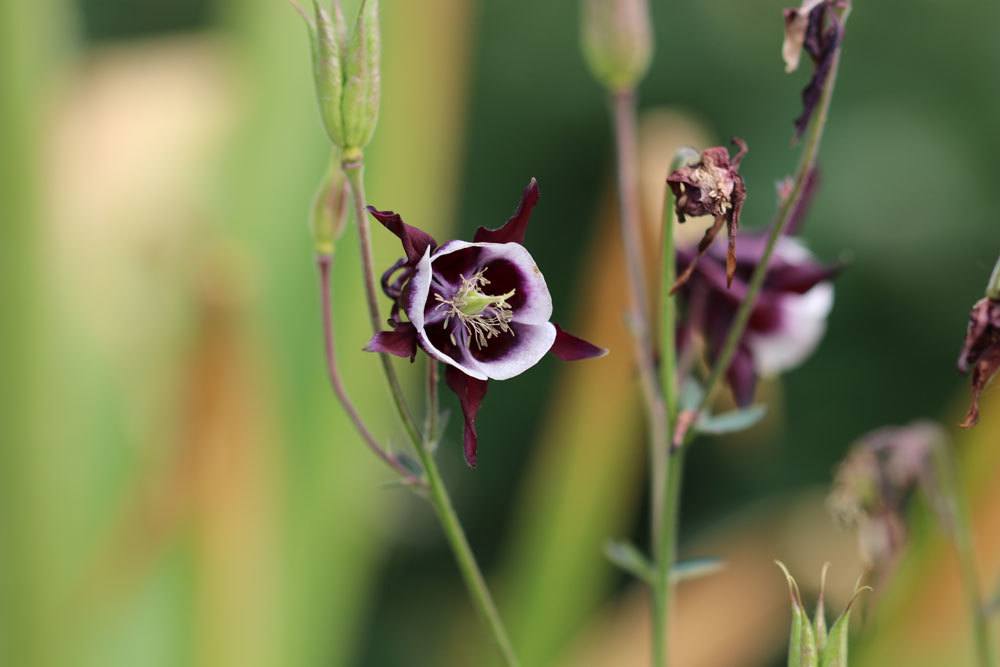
x: 438, y: 493
x: 626, y: 141
x: 665, y: 547
x: 785, y: 214
x: 324, y: 263
x: 354, y: 169
x: 956, y: 522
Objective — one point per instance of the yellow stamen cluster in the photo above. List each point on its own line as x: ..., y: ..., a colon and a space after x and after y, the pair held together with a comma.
x: 484, y: 316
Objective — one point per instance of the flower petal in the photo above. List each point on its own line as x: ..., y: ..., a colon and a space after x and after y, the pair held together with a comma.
x: 741, y: 377
x: 513, y: 230
x: 511, y: 355
x: 470, y: 392
x: 415, y: 241
x: 401, y: 342
x: 509, y: 266
x: 415, y: 304
x: 802, y: 325
x: 570, y: 348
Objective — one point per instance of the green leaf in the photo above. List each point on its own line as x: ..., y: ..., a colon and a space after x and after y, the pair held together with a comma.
x: 695, y: 569
x: 691, y: 394
x: 628, y: 557
x: 731, y: 422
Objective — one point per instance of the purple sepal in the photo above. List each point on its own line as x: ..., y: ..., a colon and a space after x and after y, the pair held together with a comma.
x: 570, y: 348
x: 514, y: 229
x: 742, y: 377
x: 401, y: 342
x: 415, y: 241
x: 470, y: 392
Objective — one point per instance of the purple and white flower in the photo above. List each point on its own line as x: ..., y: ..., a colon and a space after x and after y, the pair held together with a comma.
x: 482, y: 308
x: 787, y: 322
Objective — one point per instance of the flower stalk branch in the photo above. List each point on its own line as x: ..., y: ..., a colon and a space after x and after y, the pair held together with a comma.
x: 786, y: 214
x: 324, y: 263
x: 956, y: 522
x: 353, y: 166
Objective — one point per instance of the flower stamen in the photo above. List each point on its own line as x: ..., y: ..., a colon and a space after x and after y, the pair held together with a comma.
x: 483, y: 316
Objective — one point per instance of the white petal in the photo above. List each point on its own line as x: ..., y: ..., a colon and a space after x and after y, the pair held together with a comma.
x: 533, y: 342
x: 803, y: 323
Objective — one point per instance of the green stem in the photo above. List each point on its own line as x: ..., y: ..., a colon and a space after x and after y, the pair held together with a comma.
x: 788, y: 207
x: 431, y: 418
x: 993, y: 288
x: 956, y: 521
x: 665, y: 539
x: 438, y: 494
x: 473, y: 576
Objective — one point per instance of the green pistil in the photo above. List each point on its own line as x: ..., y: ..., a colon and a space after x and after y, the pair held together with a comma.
x: 484, y: 316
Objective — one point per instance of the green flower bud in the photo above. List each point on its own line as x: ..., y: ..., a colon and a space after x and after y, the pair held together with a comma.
x: 328, y: 217
x: 362, y: 81
x: 617, y: 41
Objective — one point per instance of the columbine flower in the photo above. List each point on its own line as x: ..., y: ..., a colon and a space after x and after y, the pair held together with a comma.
x: 481, y: 308
x: 712, y: 186
x: 981, y: 352
x: 818, y: 28
x: 787, y: 321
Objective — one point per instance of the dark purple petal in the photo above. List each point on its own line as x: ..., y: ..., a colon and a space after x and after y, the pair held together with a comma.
x: 570, y: 348
x: 513, y: 230
x: 823, y: 37
x: 402, y: 342
x: 798, y: 214
x: 470, y: 392
x: 415, y: 241
x: 799, y: 278
x: 741, y: 377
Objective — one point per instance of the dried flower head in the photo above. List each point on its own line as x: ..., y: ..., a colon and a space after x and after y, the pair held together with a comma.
x: 873, y: 486
x: 817, y: 27
x: 981, y: 352
x: 482, y: 308
x: 712, y: 186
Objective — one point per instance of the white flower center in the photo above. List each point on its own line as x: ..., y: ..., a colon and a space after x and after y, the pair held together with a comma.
x: 484, y: 316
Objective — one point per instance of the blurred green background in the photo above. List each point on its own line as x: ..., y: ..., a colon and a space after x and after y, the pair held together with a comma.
x: 177, y: 485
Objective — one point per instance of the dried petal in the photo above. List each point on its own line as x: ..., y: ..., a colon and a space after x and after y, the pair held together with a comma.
x: 981, y: 352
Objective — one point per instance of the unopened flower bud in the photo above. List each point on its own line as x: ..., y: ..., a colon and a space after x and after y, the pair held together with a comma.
x: 362, y: 79
x: 328, y: 218
x: 617, y: 41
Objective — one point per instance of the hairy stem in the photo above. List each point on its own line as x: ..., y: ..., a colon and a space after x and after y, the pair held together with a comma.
x: 785, y: 214
x: 438, y: 493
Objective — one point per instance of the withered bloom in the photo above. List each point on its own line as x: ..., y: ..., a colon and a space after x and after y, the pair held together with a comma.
x: 712, y: 186
x: 788, y: 319
x: 817, y: 27
x: 981, y: 352
x: 875, y: 482
x: 482, y: 308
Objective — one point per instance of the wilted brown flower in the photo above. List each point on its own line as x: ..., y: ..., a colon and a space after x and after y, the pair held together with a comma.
x: 817, y: 27
x: 981, y: 352
x: 875, y: 482
x: 712, y: 186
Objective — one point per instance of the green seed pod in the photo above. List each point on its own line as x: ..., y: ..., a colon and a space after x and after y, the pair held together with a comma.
x: 329, y: 213
x: 617, y: 41
x: 819, y: 618
x: 993, y: 288
x: 328, y: 35
x: 802, y: 651
x: 362, y: 80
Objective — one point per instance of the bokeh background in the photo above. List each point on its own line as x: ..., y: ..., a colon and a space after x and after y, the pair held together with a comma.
x: 178, y: 486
